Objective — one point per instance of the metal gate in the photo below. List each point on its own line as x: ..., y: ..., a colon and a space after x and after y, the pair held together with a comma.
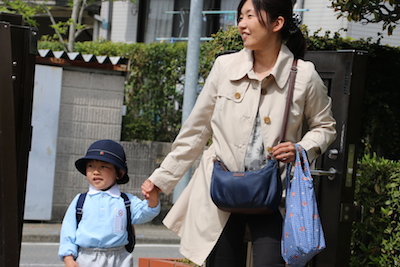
x: 343, y: 73
x: 17, y: 59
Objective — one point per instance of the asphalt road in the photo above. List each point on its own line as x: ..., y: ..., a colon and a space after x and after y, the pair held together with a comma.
x: 41, y: 254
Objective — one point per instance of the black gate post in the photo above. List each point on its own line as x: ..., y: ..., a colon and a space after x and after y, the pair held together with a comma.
x: 343, y: 73
x: 17, y: 61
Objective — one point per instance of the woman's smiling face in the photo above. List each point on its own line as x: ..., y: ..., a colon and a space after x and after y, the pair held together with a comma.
x: 255, y: 34
x: 100, y: 174
x: 252, y: 31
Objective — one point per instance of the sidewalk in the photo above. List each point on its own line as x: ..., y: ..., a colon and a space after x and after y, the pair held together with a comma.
x: 145, y: 233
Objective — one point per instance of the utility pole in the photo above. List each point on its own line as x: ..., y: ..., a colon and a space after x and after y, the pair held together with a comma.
x: 191, y: 76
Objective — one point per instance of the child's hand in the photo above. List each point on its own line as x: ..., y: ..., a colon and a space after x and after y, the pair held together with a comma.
x: 70, y: 262
x: 153, y: 197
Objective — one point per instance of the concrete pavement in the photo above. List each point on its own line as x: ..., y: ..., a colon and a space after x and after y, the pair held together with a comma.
x: 145, y: 233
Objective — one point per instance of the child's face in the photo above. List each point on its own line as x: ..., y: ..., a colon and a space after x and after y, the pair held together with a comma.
x: 100, y: 174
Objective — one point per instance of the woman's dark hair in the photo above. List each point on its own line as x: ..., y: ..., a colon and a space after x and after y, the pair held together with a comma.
x: 275, y: 8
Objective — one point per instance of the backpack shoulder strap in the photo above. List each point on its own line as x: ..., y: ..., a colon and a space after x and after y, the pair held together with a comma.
x: 129, y: 226
x: 79, y: 207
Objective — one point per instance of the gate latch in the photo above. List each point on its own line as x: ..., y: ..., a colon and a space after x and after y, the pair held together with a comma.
x: 351, y: 212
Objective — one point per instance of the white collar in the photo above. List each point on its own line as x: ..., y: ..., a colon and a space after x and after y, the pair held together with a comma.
x: 113, y: 191
x: 245, y: 60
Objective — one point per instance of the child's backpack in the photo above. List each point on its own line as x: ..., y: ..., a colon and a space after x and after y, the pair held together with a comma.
x: 131, y: 230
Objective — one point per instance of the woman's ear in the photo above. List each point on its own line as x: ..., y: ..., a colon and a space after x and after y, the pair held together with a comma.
x: 277, y: 25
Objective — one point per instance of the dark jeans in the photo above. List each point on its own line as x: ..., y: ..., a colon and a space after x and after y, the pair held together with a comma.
x: 265, y: 231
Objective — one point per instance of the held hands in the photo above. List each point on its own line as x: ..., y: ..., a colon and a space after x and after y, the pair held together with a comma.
x: 285, y: 152
x: 150, y: 192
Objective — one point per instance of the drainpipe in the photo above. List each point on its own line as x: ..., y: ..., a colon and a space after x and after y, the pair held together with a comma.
x: 191, y: 76
x: 300, y: 5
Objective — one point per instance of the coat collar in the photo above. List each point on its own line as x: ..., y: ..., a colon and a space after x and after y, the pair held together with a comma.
x: 280, y: 71
x: 113, y: 191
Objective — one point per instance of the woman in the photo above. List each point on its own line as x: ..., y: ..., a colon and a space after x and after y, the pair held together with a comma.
x: 241, y: 107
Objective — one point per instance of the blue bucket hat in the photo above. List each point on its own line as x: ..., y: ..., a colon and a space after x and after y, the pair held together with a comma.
x: 108, y: 151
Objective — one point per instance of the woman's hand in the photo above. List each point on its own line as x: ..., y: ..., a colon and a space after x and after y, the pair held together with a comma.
x: 148, y: 187
x: 285, y: 152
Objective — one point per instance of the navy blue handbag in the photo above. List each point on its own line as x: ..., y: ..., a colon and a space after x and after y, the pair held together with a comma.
x: 246, y: 192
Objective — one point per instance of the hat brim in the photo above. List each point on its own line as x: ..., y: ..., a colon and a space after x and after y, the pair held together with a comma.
x: 80, y: 164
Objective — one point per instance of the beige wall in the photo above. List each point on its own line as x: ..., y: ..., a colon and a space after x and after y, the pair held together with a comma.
x: 90, y: 109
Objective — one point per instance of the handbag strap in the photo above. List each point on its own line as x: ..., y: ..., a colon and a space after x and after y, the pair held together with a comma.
x: 292, y: 78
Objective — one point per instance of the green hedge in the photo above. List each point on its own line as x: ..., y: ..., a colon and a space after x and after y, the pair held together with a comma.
x: 154, y: 90
x: 376, y: 240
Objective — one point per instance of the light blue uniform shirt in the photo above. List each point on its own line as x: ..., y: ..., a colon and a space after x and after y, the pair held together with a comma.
x: 103, y: 223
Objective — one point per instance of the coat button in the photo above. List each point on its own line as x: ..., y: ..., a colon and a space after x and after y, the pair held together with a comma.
x: 267, y: 120
x: 270, y: 150
x: 237, y: 95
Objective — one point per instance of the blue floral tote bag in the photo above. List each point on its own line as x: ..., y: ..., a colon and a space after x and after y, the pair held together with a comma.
x: 302, y: 235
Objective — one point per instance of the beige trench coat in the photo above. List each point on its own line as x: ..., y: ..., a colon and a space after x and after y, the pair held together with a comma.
x: 225, y: 111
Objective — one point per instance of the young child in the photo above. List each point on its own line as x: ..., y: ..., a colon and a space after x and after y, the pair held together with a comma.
x: 101, y: 235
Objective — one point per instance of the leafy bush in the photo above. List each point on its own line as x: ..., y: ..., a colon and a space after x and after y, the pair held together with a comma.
x: 376, y: 240
x: 51, y: 45
x: 154, y: 93
x: 222, y: 41
x: 104, y: 48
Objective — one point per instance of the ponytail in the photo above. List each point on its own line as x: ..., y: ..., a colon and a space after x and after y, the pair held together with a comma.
x: 297, y: 44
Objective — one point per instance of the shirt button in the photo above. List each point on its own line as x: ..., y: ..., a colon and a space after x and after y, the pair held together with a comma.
x: 264, y: 91
x: 267, y: 120
x: 237, y: 95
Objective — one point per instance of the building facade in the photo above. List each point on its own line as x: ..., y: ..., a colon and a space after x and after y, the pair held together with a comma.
x: 168, y: 20
x: 147, y: 21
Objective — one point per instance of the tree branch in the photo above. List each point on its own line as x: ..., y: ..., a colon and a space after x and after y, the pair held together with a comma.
x: 53, y: 22
x: 80, y: 16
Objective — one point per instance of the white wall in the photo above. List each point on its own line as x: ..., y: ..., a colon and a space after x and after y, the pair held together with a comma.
x: 42, y: 157
x: 124, y: 22
x: 357, y: 31
x: 322, y: 16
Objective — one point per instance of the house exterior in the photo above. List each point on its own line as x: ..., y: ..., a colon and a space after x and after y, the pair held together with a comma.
x: 149, y: 21
x: 167, y: 20
x: 161, y: 20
